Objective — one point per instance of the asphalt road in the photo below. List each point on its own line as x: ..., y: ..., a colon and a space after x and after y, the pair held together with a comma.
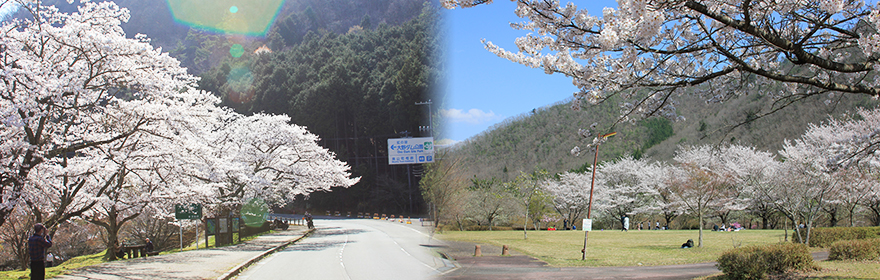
x: 355, y: 249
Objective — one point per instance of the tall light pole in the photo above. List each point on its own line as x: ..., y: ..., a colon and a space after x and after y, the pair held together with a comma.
x: 592, y: 184
x: 430, y: 127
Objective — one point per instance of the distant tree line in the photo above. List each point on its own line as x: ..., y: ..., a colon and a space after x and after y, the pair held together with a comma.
x: 806, y: 184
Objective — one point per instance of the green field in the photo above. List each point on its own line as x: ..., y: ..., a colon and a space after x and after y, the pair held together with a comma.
x: 617, y: 248
x: 89, y: 260
x: 647, y: 248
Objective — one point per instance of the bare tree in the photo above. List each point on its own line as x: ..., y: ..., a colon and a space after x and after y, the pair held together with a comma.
x: 443, y: 186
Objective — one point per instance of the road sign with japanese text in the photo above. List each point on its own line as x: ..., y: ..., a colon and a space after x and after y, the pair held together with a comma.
x: 410, y: 150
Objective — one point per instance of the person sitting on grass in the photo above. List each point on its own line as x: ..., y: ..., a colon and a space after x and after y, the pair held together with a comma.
x: 688, y: 244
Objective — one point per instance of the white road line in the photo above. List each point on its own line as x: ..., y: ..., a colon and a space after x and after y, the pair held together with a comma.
x: 342, y: 250
x: 410, y: 255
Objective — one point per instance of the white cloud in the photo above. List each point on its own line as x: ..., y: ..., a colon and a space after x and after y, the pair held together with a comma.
x: 472, y: 116
x: 445, y: 142
x: 7, y: 9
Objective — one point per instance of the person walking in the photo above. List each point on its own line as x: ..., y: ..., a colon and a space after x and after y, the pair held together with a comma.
x: 49, y: 259
x: 148, y: 247
x: 37, y: 245
x: 625, y: 223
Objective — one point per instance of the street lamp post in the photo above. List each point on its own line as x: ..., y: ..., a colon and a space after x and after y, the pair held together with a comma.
x: 430, y: 126
x: 592, y: 184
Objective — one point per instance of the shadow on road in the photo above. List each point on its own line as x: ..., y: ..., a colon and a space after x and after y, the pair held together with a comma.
x: 331, y: 231
x: 314, y: 242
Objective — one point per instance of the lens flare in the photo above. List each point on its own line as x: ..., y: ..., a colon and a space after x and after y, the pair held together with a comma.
x: 247, y: 17
x: 236, y: 51
x: 240, y: 81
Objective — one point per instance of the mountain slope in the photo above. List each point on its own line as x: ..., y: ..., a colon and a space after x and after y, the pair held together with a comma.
x: 544, y: 138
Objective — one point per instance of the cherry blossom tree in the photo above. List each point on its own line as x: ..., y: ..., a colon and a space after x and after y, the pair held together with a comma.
x: 853, y: 139
x: 804, y: 183
x: 631, y: 186
x: 137, y: 173
x: 847, y: 147
x: 91, y: 118
x: 703, y: 181
x: 59, y: 73
x: 856, y: 184
x: 570, y: 194
x: 651, y: 51
x: 265, y: 156
x: 666, y: 202
x: 755, y: 171
x: 872, y: 202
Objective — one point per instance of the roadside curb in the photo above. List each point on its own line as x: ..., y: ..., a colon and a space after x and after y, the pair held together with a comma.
x: 237, y: 269
x: 449, y: 263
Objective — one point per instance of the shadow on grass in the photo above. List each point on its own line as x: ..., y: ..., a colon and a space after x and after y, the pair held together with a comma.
x: 660, y: 247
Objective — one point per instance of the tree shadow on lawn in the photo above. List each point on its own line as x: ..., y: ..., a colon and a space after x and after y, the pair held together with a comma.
x: 664, y: 248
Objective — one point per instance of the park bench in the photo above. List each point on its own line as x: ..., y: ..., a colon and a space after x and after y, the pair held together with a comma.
x: 134, y: 251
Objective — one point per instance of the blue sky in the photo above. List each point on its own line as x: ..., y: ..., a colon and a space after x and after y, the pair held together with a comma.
x: 483, y: 89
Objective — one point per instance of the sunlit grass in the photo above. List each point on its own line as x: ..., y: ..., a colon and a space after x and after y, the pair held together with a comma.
x: 616, y: 248
x: 648, y: 248
x: 831, y: 270
x: 848, y: 270
x: 74, y: 263
x: 89, y: 260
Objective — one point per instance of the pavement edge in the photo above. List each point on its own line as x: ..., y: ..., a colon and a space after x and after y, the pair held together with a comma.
x: 449, y: 263
x: 237, y: 269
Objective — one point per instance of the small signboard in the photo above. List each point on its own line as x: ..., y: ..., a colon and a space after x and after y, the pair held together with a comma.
x: 223, y: 225
x: 410, y: 150
x: 188, y: 212
x: 588, y: 225
x: 210, y: 227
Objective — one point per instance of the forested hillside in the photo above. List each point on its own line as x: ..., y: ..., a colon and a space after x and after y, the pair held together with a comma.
x: 350, y: 71
x: 543, y: 138
x: 198, y: 50
x: 355, y: 90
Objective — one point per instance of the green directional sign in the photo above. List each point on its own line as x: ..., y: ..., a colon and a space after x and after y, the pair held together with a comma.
x: 188, y: 211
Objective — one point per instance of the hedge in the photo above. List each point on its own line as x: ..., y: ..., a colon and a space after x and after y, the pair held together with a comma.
x: 859, y: 250
x: 755, y: 262
x: 824, y: 237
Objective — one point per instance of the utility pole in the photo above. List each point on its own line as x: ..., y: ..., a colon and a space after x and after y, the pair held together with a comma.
x: 430, y: 129
x: 592, y: 184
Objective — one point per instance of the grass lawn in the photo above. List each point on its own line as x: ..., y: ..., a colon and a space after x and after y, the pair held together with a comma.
x: 617, y: 248
x: 847, y: 270
x: 74, y: 263
x: 648, y: 248
x: 83, y: 261
x: 832, y: 270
